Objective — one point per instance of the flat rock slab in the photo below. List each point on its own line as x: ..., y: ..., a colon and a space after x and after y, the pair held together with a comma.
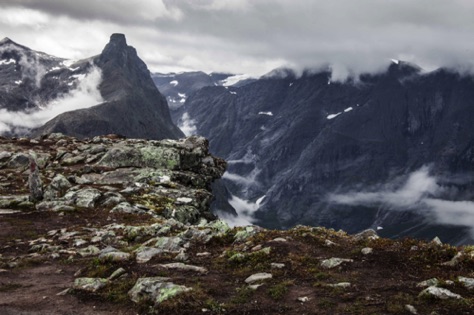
x: 184, y: 267
x: 440, y: 293
x: 258, y: 277
x: 334, y: 262
x: 8, y: 211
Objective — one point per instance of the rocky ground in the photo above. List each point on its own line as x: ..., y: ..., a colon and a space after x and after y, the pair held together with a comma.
x: 121, y: 226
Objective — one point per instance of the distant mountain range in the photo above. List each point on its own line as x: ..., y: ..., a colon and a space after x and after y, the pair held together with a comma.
x: 393, y: 150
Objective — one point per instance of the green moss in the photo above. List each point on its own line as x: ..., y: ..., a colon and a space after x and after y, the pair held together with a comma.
x: 277, y: 291
x: 243, y: 295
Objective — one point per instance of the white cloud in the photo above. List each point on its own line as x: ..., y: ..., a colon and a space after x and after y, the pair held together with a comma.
x: 420, y: 192
x: 245, y: 212
x: 86, y: 95
x: 187, y: 125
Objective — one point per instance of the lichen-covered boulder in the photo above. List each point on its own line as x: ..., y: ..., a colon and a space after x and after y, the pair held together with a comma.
x: 147, y: 156
x: 89, y: 284
x: 155, y: 290
x: 86, y: 197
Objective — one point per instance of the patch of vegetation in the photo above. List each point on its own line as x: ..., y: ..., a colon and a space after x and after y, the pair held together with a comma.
x: 117, y: 291
x: 277, y: 291
x: 186, y: 303
x: 100, y: 268
x: 326, y: 303
x: 396, y: 304
x: 243, y: 295
x: 321, y: 275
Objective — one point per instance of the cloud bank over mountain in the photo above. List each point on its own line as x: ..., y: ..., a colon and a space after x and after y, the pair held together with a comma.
x: 244, y: 36
x: 85, y: 95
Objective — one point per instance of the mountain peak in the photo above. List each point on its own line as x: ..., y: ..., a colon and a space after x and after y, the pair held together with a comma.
x: 117, y: 44
x: 118, y: 39
x: 7, y: 41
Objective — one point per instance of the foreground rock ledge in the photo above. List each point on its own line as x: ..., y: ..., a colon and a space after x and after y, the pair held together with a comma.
x: 164, y: 178
x: 117, y: 226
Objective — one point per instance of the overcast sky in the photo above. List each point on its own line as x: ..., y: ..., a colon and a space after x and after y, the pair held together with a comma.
x: 251, y: 36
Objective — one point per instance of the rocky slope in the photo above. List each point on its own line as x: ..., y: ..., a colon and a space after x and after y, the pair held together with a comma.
x: 120, y: 226
x: 177, y: 87
x: 114, y: 91
x: 317, y: 152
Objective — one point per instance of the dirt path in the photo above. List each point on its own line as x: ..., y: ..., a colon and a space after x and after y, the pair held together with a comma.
x: 33, y: 291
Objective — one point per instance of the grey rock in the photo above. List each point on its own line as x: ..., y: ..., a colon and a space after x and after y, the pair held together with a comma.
x: 467, y: 282
x: 244, y: 234
x: 86, y: 197
x: 112, y: 199
x: 367, y: 250
x: 439, y: 293
x: 340, y: 285
x: 368, y: 234
x: 277, y: 265
x: 90, y: 250
x: 34, y: 181
x: 258, y: 277
x: 89, y: 284
x: 57, y: 188
x: 334, y: 262
x: 125, y: 207
x: 279, y: 239
x: 454, y: 261
x: 145, y: 254
x: 436, y: 241
x: 168, y: 244
x: 155, y: 289
x: 428, y: 283
x: 19, y: 160
x: 184, y: 267
x: 117, y: 273
x: 110, y: 253
x: 411, y: 309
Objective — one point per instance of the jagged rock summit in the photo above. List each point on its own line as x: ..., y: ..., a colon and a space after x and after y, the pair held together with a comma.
x: 133, y: 105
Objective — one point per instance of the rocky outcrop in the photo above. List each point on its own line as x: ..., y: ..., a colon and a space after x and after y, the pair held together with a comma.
x: 168, y: 178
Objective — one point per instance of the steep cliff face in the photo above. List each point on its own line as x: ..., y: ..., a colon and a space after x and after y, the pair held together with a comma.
x: 133, y: 106
x: 297, y: 141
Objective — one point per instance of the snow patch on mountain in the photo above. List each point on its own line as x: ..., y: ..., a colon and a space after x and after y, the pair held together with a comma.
x: 7, y: 61
x: 332, y: 116
x: 234, y: 79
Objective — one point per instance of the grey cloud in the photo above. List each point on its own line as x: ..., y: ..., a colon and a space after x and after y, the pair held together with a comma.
x: 254, y: 36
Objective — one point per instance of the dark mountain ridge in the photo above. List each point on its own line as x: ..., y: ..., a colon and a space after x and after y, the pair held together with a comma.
x: 297, y: 140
